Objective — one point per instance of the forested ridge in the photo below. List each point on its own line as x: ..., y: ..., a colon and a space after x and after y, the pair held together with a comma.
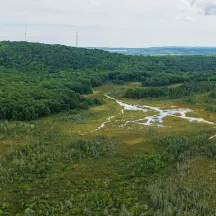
x: 39, y: 79
x: 80, y: 161
x: 35, y: 57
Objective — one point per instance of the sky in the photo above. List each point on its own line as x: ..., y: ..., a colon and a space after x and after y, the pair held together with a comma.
x: 110, y: 23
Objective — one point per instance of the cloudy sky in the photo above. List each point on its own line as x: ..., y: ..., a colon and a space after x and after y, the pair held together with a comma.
x: 113, y: 23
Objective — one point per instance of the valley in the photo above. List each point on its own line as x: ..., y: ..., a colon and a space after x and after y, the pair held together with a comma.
x: 131, y: 144
x: 122, y: 143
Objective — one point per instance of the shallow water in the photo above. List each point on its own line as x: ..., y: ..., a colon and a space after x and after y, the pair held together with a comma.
x: 151, y: 120
x: 100, y: 127
x: 158, y: 119
x: 212, y: 137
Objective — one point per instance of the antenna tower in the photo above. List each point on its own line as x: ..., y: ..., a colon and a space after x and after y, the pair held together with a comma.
x: 25, y: 34
x: 77, y: 38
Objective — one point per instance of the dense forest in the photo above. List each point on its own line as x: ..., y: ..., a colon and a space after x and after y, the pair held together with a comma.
x: 180, y: 91
x: 56, y: 159
x: 27, y: 97
x: 39, y: 79
x: 33, y: 57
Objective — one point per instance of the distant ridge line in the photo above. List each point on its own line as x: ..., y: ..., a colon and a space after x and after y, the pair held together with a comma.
x: 164, y: 50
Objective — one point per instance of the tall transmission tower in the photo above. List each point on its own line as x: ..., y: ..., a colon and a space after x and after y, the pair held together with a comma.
x: 77, y: 38
x: 25, y: 34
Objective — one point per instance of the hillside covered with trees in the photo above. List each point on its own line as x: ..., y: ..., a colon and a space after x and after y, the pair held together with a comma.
x: 75, y: 137
x: 39, y: 79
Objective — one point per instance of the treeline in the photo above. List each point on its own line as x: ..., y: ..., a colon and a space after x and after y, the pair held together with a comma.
x: 165, y: 79
x: 35, y: 57
x: 30, y: 97
x: 183, y: 90
x: 38, y: 79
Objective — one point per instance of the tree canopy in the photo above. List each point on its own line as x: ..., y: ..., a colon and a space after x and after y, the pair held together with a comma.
x: 40, y: 79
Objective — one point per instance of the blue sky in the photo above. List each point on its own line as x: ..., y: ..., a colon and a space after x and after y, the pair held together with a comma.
x: 113, y: 23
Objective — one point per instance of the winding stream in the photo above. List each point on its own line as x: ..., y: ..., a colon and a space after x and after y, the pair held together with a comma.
x: 158, y: 119
x: 151, y: 120
x: 212, y: 137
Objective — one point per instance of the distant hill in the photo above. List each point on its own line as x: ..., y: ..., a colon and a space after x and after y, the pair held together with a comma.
x: 43, y: 57
x: 162, y: 50
x: 36, y: 57
x: 37, y: 80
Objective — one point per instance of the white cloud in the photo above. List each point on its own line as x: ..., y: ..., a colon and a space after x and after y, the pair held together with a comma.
x: 3, y: 34
x: 161, y: 21
x: 188, y: 18
x: 206, y: 7
x: 186, y: 2
x: 110, y: 22
x: 185, y: 18
x: 95, y: 2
